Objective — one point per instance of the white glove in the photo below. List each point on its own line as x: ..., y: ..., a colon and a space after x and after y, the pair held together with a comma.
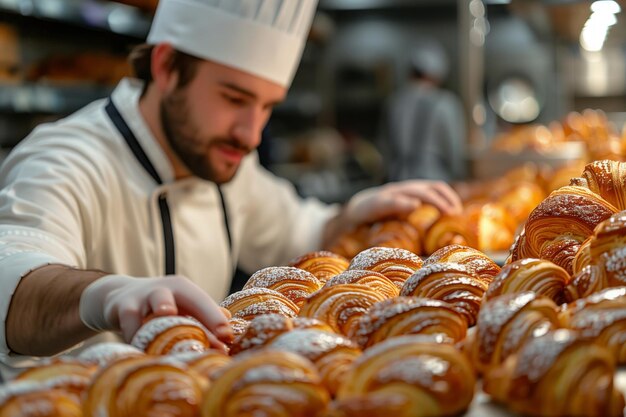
x: 120, y: 302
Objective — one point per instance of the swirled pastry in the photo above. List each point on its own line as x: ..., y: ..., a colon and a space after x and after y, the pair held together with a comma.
x: 608, y: 249
x: 423, y: 217
x: 602, y: 317
x: 409, y: 315
x: 559, y: 375
x: 521, y: 249
x: 37, y: 399
x: 262, y: 329
x: 351, y: 243
x: 561, y: 251
x: 407, y: 377
x: 171, y: 334
x: 144, y: 386
x: 68, y: 374
x: 473, y: 259
x: 206, y: 364
x: 395, y: 234
x: 589, y: 280
x: 371, y: 279
x: 396, y: 264
x: 537, y: 275
x: 294, y: 283
x: 331, y: 353
x: 449, y: 282
x: 582, y: 257
x: 506, y: 322
x: 247, y: 304
x: 450, y: 230
x: 323, y: 264
x: 101, y: 354
x: 267, y: 383
x: 607, y: 178
x: 341, y: 306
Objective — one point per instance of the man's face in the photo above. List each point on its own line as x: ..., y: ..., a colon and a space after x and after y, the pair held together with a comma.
x: 217, y: 119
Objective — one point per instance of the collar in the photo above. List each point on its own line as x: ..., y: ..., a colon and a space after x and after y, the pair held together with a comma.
x: 126, y: 99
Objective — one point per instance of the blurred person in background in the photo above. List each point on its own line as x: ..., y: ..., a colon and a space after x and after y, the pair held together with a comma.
x: 423, y: 126
x: 144, y: 203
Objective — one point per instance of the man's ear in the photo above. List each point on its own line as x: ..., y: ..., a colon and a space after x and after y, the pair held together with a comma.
x: 165, y: 79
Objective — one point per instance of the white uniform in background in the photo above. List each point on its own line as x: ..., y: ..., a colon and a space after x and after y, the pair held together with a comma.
x: 425, y: 134
x: 74, y: 193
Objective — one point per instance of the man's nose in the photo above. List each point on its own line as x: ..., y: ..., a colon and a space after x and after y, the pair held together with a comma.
x: 248, y: 127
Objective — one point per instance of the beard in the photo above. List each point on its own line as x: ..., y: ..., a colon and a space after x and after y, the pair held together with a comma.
x: 193, y: 150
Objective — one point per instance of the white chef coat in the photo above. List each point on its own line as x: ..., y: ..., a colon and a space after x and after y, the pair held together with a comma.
x: 74, y: 193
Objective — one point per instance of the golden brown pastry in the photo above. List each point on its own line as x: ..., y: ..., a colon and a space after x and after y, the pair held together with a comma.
x: 601, y: 317
x: 374, y: 280
x: 473, y: 259
x: 582, y: 257
x: 493, y: 226
x: 36, y: 399
x: 331, y: 353
x: 266, y: 383
x: 450, y: 230
x: 294, y: 283
x: 561, y: 251
x: 101, y: 354
x: 262, y: 329
x: 68, y: 374
x: 589, y: 280
x: 536, y: 275
x: 396, y: 264
x: 406, y: 377
x: 557, y: 375
x: 323, y: 264
x: 608, y: 179
x: 351, y: 243
x: 449, y: 282
x: 144, y: 386
x: 607, y: 249
x: 395, y: 234
x: 238, y: 326
x: 171, y: 334
x: 506, y: 322
x: 423, y: 217
x: 341, y: 306
x: 206, y: 364
x: 521, y: 249
x: 247, y: 304
x: 519, y: 199
x: 409, y: 315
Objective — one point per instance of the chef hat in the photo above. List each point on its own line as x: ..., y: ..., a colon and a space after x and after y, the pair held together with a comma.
x: 261, y: 37
x: 430, y: 58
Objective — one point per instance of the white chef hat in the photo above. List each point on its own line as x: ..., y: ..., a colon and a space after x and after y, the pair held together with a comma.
x: 430, y: 58
x: 262, y: 37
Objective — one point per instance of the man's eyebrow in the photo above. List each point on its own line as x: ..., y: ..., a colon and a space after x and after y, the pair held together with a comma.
x: 238, y: 89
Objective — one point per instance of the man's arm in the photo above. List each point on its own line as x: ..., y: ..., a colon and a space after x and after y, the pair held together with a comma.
x: 54, y: 307
x: 43, y: 317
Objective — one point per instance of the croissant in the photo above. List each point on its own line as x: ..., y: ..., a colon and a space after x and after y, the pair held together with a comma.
x: 68, y: 374
x: 557, y: 375
x: 493, y: 226
x: 406, y: 377
x: 505, y: 322
x: 409, y: 315
x: 520, y: 249
x: 602, y: 317
x: 473, y: 259
x: 569, y: 214
x: 519, y: 199
x: 608, y: 179
x: 206, y: 364
x: 36, y: 399
x: 449, y: 282
x: 394, y: 263
x: 340, y: 306
x: 374, y: 280
x: 450, y: 230
x: 582, y: 257
x: 395, y: 234
x: 238, y: 326
x: 350, y: 244
x: 144, y: 386
x: 423, y: 217
x: 171, y: 334
x: 263, y: 329
x: 294, y: 283
x: 331, y: 353
x: 323, y: 264
x: 608, y: 249
x: 101, y: 354
x: 266, y: 383
x: 537, y: 275
x: 589, y: 280
x: 247, y: 304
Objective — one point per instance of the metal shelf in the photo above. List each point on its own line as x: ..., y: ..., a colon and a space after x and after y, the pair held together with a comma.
x: 108, y: 16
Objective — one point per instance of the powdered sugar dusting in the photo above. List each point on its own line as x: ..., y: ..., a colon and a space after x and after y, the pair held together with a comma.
x: 103, y: 353
x: 14, y: 389
x: 373, y: 256
x: 593, y: 322
x: 615, y: 264
x: 422, y: 274
x: 146, y: 334
x: 274, y: 275
x: 264, y: 293
x: 189, y: 345
x: 265, y: 307
x: 239, y: 326
x: 271, y: 374
x: 538, y: 355
x: 419, y: 370
x: 312, y: 344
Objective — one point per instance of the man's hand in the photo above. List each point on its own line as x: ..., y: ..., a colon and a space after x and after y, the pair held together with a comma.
x: 119, y: 302
x: 397, y: 199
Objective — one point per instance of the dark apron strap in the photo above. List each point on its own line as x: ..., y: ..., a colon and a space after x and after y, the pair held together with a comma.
x: 166, y: 220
